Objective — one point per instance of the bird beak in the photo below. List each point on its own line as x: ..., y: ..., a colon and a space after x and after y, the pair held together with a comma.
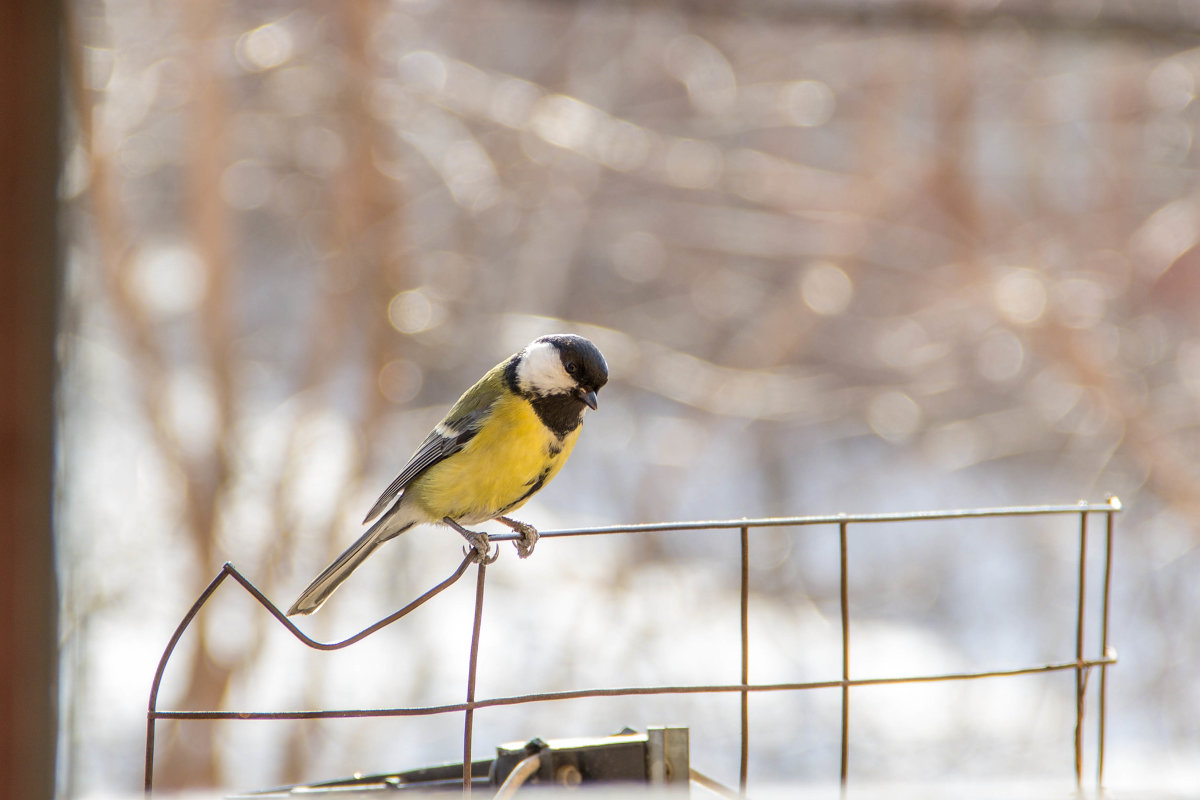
x: 589, y: 398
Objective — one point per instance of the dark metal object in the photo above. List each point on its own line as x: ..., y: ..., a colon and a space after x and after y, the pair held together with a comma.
x: 658, y: 757
x: 426, y: 780
x: 1080, y: 665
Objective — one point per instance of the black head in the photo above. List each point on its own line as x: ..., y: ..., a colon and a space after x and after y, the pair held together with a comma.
x: 562, y: 363
x: 583, y: 361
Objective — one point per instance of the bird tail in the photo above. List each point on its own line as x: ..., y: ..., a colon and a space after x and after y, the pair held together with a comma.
x: 331, y: 578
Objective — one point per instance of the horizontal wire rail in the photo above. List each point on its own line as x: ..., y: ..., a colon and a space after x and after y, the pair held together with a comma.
x: 1081, y: 665
x: 1112, y: 505
x: 627, y: 691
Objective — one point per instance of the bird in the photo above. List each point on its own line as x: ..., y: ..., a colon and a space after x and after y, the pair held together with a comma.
x: 502, y: 442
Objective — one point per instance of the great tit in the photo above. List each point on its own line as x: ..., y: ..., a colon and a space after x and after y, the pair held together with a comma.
x: 504, y: 439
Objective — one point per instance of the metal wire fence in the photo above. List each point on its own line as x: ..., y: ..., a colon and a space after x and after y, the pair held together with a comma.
x: 1081, y: 664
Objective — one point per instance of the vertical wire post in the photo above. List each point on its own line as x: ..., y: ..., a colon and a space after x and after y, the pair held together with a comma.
x: 845, y: 604
x: 149, y: 784
x: 1080, y: 676
x: 744, y: 771
x: 469, y: 721
x: 1108, y: 552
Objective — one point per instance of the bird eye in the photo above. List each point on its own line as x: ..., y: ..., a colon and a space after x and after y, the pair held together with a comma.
x: 571, y: 368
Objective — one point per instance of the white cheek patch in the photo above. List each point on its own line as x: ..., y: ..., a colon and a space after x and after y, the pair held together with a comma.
x: 541, y: 370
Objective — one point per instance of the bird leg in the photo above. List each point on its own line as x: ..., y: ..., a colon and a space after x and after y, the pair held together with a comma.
x: 478, y: 541
x: 529, y: 535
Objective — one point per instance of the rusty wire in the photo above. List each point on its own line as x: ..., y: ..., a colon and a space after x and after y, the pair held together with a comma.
x: 1081, y: 665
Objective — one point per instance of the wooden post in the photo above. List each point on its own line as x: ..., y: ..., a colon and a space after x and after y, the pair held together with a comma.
x: 30, y: 97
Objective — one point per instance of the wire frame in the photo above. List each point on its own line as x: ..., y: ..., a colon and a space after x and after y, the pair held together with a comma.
x: 844, y: 523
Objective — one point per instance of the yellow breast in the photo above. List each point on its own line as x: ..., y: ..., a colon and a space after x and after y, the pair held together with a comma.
x: 511, y: 458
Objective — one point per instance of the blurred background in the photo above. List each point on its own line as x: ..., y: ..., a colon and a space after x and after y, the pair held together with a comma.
x: 865, y: 256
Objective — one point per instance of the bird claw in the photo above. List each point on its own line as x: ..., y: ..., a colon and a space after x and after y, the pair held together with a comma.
x: 529, y: 536
x: 478, y: 549
x: 478, y: 552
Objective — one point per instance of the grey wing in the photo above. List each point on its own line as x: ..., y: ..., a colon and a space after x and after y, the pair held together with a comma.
x: 440, y: 444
